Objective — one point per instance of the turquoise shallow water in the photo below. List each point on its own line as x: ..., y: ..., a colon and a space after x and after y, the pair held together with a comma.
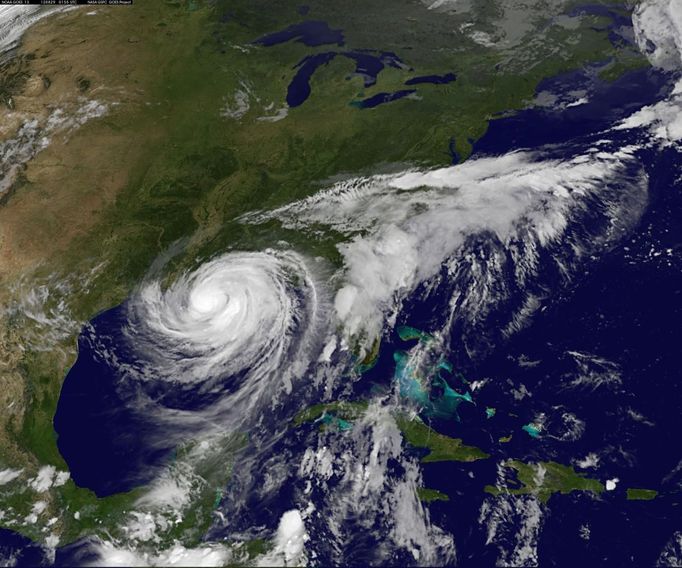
x: 618, y: 310
x: 624, y: 308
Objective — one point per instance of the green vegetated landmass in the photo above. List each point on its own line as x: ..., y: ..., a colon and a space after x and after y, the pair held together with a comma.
x: 431, y: 495
x: 343, y: 409
x: 634, y: 494
x: 544, y: 479
x: 177, y: 161
x: 370, y: 359
x: 82, y: 513
x: 441, y: 447
x: 195, y: 170
x: 86, y: 514
x: 416, y: 433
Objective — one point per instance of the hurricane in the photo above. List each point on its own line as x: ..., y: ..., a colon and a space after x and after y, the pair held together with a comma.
x: 407, y: 357
x: 237, y: 314
x: 211, y: 353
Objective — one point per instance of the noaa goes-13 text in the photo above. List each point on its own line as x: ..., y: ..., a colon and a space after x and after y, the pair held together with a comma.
x: 66, y: 2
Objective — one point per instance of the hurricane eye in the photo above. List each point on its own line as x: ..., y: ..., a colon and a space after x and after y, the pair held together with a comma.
x: 221, y: 319
x: 208, y: 301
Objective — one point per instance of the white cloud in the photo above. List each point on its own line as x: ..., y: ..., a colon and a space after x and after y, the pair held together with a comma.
x: 591, y: 460
x: 47, y: 477
x: 15, y: 20
x: 259, y: 316
x: 289, y: 543
x: 663, y: 119
x: 236, y: 107
x: 35, y: 134
x: 221, y: 318
x: 36, y: 510
x: 658, y: 30
x: 354, y: 479
x: 513, y: 526
x: 43, y: 481
x: 404, y: 227
x: 208, y: 555
x: 7, y: 475
x: 671, y: 555
x: 280, y: 114
x: 61, y: 478
x: 593, y: 372
x: 141, y: 527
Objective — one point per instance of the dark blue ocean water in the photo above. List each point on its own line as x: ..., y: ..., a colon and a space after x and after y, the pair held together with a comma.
x: 16, y: 550
x: 102, y: 432
x: 625, y: 307
x: 114, y: 428
x: 617, y: 318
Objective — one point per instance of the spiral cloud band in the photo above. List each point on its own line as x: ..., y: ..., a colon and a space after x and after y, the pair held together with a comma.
x: 243, y: 315
x: 200, y: 364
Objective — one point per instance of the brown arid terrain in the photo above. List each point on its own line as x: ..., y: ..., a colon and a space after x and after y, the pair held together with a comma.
x: 136, y: 141
x: 85, y: 83
x: 75, y: 58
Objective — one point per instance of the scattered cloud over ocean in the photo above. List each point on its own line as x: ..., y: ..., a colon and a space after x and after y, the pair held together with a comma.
x: 404, y: 227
